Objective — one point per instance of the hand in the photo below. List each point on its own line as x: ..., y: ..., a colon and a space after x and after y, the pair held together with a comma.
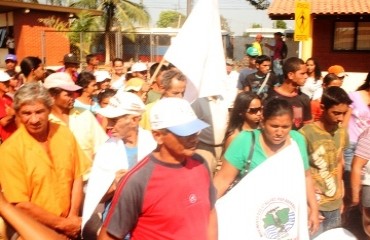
x: 314, y: 219
x: 71, y: 226
x: 119, y: 175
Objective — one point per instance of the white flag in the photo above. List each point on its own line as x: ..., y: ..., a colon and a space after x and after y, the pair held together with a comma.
x: 268, y: 203
x: 198, y: 52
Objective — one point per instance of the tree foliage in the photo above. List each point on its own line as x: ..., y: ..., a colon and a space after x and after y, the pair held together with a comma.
x: 170, y: 18
x: 259, y: 4
x: 224, y: 24
x: 280, y: 24
x: 256, y: 25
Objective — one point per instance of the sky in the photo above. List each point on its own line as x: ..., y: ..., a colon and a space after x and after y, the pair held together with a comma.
x: 239, y: 14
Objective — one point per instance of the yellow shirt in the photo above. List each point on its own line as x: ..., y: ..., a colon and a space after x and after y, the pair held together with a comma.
x: 30, y: 174
x: 86, y: 129
x: 145, y: 118
x: 257, y: 46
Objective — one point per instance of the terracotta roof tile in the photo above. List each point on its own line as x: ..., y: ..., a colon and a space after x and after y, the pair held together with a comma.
x: 327, y: 7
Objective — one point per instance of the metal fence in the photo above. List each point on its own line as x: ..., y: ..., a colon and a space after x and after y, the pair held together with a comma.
x: 132, y: 46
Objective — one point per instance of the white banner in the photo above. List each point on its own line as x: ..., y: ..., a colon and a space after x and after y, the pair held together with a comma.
x: 269, y: 203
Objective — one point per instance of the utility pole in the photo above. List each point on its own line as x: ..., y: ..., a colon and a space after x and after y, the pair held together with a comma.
x: 189, y: 4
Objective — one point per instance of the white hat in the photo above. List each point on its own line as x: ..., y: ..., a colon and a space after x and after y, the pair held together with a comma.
x: 4, y: 77
x: 176, y: 115
x: 102, y: 76
x: 138, y: 67
x: 336, y: 233
x: 61, y: 80
x: 123, y: 103
x: 135, y: 84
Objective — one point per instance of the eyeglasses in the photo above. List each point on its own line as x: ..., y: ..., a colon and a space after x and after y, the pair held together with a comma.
x: 254, y: 110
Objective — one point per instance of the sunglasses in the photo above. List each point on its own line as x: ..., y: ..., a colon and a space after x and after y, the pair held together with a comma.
x: 143, y: 72
x: 254, y: 110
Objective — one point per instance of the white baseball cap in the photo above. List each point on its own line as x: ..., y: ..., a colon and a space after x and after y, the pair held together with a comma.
x: 102, y: 75
x: 176, y: 115
x: 123, y: 103
x: 4, y: 77
x: 61, y: 80
x: 138, y: 67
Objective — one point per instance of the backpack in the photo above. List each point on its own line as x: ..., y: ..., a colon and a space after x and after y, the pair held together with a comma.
x: 284, y: 51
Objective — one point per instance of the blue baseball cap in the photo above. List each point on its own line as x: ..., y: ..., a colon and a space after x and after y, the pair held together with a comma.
x: 11, y: 57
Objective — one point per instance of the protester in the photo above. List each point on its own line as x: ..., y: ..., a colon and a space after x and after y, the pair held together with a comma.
x: 7, y: 114
x: 71, y: 65
x: 83, y: 124
x: 171, y: 174
x: 338, y: 70
x: 89, y: 86
x: 251, y: 53
x: 360, y: 179
x: 156, y: 90
x: 295, y: 74
x: 103, y: 101
x: 13, y: 83
x: 275, y: 136
x: 139, y: 87
x: 245, y: 116
x: 213, y: 110
x: 139, y: 70
x: 257, y: 44
x: 118, y: 74
x: 10, y: 62
x: 278, y: 53
x: 103, y: 79
x: 52, y: 194
x: 313, y: 85
x: 92, y: 62
x: 231, y: 82
x: 262, y: 81
x: 129, y: 144
x: 32, y: 69
x: 326, y: 140
x: 173, y: 83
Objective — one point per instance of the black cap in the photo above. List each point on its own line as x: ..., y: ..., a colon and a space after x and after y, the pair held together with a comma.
x: 71, y: 58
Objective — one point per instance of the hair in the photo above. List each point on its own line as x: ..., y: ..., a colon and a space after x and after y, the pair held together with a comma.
x: 237, y: 114
x: 30, y: 93
x: 276, y: 107
x: 55, y: 91
x: 330, y: 77
x: 334, y: 96
x: 317, y: 71
x: 117, y: 60
x: 366, y: 84
x: 262, y: 58
x: 84, y: 79
x: 292, y: 64
x: 154, y: 67
x: 106, y: 93
x: 168, y: 75
x: 28, y: 64
x: 89, y: 57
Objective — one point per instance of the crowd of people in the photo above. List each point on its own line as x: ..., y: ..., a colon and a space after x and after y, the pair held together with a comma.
x: 118, y: 154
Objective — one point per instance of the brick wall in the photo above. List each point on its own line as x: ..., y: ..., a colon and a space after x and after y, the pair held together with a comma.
x: 323, y: 49
x: 28, y: 36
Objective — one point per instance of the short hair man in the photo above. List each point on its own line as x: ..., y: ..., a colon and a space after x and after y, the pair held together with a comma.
x: 257, y: 44
x: 326, y: 140
x: 257, y: 82
x: 251, y: 53
x: 42, y: 164
x: 83, y: 124
x: 10, y: 62
x: 92, y: 62
x: 295, y: 75
x: 173, y: 83
x: 71, y: 65
x: 129, y: 144
x: 277, y: 58
x: 170, y: 193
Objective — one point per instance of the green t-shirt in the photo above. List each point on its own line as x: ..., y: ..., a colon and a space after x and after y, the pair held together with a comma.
x: 238, y: 151
x: 325, y: 151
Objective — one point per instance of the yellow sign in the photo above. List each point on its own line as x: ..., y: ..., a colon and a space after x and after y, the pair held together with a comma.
x: 302, y: 20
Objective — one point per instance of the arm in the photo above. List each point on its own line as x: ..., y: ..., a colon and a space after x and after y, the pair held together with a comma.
x: 27, y: 227
x: 313, y: 218
x: 224, y: 177
x: 357, y: 165
x: 212, y: 227
x: 9, y: 117
x: 69, y: 226
x: 77, y: 197
x: 345, y: 122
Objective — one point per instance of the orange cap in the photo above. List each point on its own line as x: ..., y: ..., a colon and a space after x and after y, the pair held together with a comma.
x: 337, y: 70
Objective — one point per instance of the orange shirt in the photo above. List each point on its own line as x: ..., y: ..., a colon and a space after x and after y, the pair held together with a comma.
x: 30, y: 174
x: 316, y: 110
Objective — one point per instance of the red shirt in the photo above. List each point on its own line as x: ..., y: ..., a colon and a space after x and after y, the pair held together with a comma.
x: 6, y: 131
